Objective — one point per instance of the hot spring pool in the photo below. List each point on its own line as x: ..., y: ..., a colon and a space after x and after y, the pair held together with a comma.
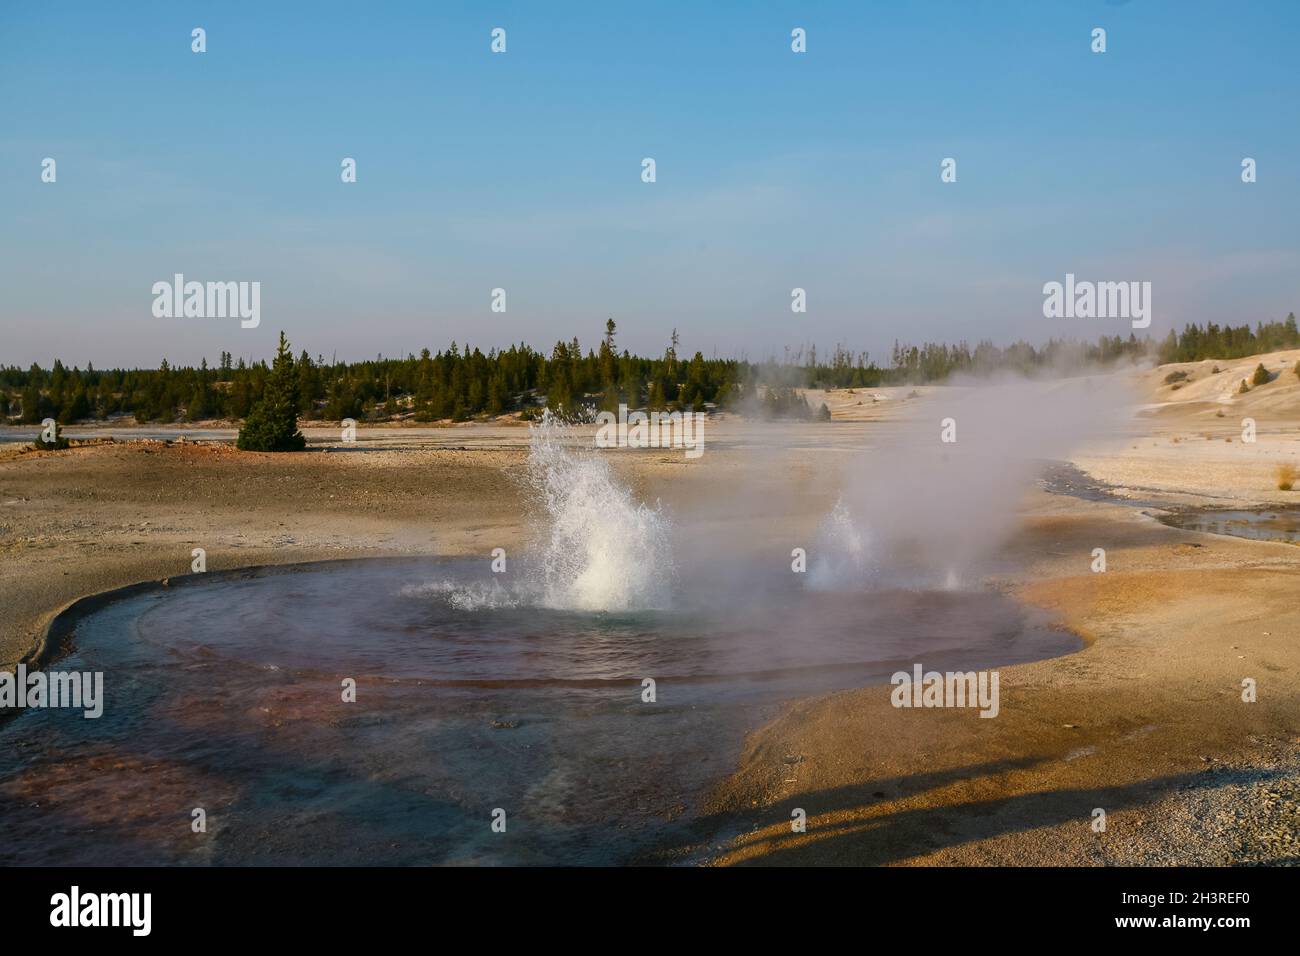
x: 223, y: 692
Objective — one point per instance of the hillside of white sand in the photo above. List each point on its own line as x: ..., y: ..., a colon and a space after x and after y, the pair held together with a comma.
x: 1190, y: 443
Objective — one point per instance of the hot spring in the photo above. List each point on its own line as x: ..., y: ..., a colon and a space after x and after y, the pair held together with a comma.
x: 527, y: 692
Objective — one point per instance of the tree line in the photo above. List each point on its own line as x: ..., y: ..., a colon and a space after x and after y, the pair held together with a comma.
x: 1196, y: 344
x: 461, y: 383
x: 458, y: 384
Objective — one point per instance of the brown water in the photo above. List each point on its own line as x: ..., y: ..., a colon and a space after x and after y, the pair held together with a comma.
x: 224, y: 692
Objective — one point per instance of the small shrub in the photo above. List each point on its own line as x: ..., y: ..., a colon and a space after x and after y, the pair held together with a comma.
x: 1244, y: 387
x: 57, y: 444
x: 1287, y: 474
x: 1261, y: 375
x: 1172, y: 377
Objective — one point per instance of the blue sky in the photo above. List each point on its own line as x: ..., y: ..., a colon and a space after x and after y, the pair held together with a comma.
x: 522, y: 171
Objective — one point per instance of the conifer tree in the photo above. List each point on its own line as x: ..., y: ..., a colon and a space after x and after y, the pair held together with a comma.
x: 272, y: 424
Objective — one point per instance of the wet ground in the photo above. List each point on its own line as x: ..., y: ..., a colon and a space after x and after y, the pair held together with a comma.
x: 1262, y: 524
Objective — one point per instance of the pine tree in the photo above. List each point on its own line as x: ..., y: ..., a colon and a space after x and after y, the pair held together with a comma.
x: 308, y: 385
x: 272, y: 425
x: 495, y: 394
x: 57, y: 444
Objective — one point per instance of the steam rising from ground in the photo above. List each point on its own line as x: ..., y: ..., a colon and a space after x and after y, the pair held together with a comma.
x: 913, y: 511
x: 938, y: 509
x: 840, y: 555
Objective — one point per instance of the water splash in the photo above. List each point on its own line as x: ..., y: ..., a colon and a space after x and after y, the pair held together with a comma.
x: 468, y: 597
x: 840, y: 553
x: 601, y: 549
x: 605, y: 551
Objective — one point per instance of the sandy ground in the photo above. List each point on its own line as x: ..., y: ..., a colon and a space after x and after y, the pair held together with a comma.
x: 1146, y: 723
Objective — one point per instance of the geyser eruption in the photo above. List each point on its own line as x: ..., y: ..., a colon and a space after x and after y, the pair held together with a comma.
x: 601, y: 550
x: 605, y: 551
x: 933, y: 510
x: 840, y: 552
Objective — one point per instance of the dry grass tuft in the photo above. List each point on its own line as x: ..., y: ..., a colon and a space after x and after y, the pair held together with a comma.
x: 1287, y: 474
